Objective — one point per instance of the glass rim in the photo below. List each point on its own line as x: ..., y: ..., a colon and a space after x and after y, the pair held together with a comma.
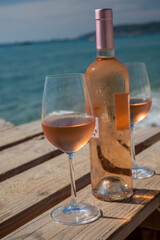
x: 60, y: 75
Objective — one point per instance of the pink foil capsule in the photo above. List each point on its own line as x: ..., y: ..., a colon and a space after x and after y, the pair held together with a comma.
x: 104, y: 29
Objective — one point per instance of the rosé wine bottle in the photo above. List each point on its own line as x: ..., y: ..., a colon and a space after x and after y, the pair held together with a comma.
x: 110, y: 146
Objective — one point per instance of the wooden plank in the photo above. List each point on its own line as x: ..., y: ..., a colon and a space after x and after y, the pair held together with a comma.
x: 145, y: 137
x: 23, y: 156
x: 150, y: 158
x: 34, y: 147
x: 34, y: 188
x: 143, y: 133
x: 5, y: 125
x: 27, y: 131
x: 20, y: 134
x: 32, y: 192
x: 117, y: 221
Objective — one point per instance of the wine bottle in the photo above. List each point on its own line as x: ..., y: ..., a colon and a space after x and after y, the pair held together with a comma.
x: 110, y: 146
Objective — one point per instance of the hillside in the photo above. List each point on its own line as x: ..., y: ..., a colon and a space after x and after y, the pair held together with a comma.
x: 129, y: 29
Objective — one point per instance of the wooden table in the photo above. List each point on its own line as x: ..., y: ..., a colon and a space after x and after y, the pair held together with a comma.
x: 34, y: 178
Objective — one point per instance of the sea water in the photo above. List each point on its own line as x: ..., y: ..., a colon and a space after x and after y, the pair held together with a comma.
x: 23, y: 69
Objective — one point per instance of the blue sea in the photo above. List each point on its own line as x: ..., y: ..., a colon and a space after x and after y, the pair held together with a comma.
x: 23, y: 69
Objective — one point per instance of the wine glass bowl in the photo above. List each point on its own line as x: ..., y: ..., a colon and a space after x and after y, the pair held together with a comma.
x: 139, y: 108
x: 68, y: 123
x: 69, y: 133
x: 140, y: 104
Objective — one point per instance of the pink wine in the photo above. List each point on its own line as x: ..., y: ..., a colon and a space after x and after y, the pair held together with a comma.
x: 110, y: 150
x: 69, y: 134
x: 139, y: 108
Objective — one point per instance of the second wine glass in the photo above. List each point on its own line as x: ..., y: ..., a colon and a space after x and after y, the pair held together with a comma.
x: 140, y: 103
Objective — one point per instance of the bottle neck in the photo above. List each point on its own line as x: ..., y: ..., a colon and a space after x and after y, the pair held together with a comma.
x: 105, y: 53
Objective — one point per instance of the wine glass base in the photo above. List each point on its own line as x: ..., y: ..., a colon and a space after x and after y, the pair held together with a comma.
x: 141, y: 173
x: 75, y: 215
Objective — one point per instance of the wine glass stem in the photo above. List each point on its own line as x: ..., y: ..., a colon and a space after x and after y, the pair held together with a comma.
x: 133, y: 146
x: 74, y: 200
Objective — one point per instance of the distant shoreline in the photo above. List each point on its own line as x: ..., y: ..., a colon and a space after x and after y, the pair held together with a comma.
x: 119, y: 30
x: 129, y: 30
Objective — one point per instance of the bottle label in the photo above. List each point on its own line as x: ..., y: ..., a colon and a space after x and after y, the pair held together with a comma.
x: 96, y: 129
x: 122, y: 117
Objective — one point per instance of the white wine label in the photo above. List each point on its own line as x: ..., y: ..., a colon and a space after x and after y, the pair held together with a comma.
x: 96, y: 129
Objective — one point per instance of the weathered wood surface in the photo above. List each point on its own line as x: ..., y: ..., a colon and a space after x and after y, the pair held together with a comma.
x: 32, y: 180
x: 30, y: 193
x: 145, y: 137
x: 29, y: 150
x: 20, y: 134
x: 118, y: 219
x: 5, y: 125
x: 23, y: 156
x: 144, y: 133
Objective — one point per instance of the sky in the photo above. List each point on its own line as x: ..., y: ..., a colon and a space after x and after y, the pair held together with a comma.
x: 32, y: 20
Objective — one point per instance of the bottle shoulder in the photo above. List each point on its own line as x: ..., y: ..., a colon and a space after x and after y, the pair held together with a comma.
x: 112, y: 62
x: 107, y: 71
x: 107, y: 66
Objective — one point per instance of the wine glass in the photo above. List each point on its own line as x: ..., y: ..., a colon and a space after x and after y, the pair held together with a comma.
x: 140, y: 103
x: 68, y: 123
